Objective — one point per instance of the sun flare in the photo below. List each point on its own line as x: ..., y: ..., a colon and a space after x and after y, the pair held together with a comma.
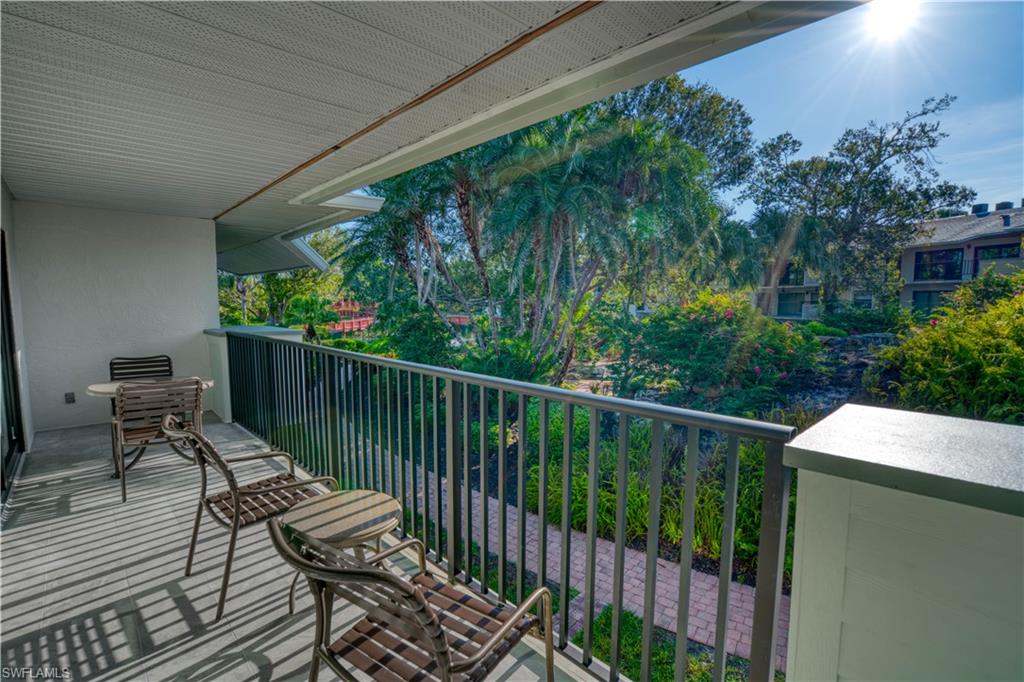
x: 888, y: 20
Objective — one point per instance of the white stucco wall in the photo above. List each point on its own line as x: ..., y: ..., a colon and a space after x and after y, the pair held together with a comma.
x: 889, y: 585
x: 96, y: 284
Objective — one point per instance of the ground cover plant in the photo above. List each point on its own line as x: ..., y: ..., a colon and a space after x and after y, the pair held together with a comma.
x: 966, y: 360
x: 699, y: 662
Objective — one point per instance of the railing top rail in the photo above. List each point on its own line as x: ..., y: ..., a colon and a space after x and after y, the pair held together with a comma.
x: 740, y: 426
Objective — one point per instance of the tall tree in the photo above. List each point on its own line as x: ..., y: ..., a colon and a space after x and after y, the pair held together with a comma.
x: 864, y: 201
x: 716, y: 125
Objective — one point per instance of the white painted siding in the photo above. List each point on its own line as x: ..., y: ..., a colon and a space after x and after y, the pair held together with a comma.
x: 97, y: 284
x: 893, y: 585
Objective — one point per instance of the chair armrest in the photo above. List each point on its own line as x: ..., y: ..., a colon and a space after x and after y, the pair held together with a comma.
x: 264, y: 455
x: 542, y: 594
x: 395, y: 549
x: 294, y: 484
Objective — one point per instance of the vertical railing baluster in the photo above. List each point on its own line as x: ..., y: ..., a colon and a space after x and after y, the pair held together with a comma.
x: 771, y: 554
x: 524, y: 403
x: 564, y: 567
x: 411, y: 502
x: 334, y: 451
x: 452, y: 394
x: 686, y: 547
x: 467, y: 487
x: 542, y: 495
x: 618, y: 561
x: 502, y: 493
x: 653, y: 533
x: 379, y: 449
x: 732, y: 462
x: 360, y: 453
x: 423, y: 461
x: 588, y: 587
x: 484, y: 497
x: 436, y: 452
x: 390, y: 459
x: 403, y: 489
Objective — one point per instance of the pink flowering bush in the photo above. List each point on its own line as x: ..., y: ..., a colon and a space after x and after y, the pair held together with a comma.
x: 717, y: 352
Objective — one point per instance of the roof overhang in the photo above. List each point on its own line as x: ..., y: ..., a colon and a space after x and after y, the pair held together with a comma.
x: 266, y: 116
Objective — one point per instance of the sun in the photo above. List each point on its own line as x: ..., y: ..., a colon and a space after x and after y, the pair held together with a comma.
x: 888, y: 20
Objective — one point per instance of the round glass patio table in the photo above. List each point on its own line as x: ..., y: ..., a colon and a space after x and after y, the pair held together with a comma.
x: 344, y: 519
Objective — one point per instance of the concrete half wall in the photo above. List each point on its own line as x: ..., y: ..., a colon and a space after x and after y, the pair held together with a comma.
x: 95, y: 284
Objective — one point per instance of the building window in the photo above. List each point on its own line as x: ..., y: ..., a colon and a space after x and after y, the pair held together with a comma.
x: 791, y: 305
x: 997, y: 251
x: 927, y: 301
x: 862, y: 299
x: 943, y: 264
x: 792, y: 277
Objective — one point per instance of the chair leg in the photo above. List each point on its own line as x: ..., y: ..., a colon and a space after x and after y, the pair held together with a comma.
x: 314, y: 666
x: 119, y: 462
x: 291, y: 594
x: 549, y: 653
x: 227, y: 568
x: 195, y: 536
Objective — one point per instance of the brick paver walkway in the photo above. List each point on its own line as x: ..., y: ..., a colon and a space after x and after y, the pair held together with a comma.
x: 703, y: 586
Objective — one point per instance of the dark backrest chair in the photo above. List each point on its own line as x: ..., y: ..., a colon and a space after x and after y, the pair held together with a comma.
x: 240, y: 504
x: 139, y: 409
x: 126, y: 369
x: 421, y: 628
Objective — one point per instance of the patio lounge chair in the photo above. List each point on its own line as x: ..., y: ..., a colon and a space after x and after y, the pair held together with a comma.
x: 418, y: 629
x: 139, y: 410
x: 241, y: 504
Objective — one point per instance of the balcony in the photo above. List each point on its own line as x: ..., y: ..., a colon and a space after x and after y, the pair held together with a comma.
x: 146, y: 147
x: 96, y: 587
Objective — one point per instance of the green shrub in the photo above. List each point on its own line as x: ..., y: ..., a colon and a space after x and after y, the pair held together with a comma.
x: 415, y: 333
x: 890, y: 317
x: 985, y: 290
x: 514, y: 358
x: 815, y: 328
x: 708, y: 505
x: 967, y: 361
x: 373, y: 346
x: 699, y: 662
x: 717, y: 353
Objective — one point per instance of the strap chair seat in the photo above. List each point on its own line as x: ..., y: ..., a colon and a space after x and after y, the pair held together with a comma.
x: 241, y: 504
x: 262, y: 499
x: 469, y: 622
x: 418, y: 629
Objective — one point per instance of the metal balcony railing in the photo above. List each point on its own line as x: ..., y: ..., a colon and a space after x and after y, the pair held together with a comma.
x: 428, y: 435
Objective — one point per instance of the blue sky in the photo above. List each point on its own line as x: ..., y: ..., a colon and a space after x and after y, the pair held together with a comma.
x: 835, y: 74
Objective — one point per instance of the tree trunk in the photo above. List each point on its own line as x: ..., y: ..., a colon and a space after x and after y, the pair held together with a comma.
x: 472, y: 229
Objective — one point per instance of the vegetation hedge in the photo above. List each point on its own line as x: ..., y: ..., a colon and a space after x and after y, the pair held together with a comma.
x: 966, y: 361
x: 699, y: 663
x: 709, y: 502
x: 717, y: 353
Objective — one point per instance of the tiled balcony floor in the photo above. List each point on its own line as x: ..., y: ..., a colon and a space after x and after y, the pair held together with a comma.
x: 98, y: 587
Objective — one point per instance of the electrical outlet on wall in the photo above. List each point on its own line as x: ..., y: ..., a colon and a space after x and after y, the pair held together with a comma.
x: 69, y: 397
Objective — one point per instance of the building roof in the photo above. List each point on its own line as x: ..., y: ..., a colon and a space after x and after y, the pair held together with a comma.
x: 261, y: 115
x: 966, y: 227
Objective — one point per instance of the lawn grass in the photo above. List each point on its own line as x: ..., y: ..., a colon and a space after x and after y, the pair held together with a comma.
x: 663, y: 654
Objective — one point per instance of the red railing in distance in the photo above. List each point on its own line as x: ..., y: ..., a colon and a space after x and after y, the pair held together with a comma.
x: 356, y: 324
